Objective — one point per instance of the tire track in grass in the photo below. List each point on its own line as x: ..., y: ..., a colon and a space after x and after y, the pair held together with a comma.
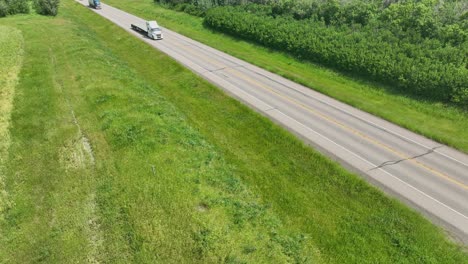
x: 11, y: 57
x: 78, y: 154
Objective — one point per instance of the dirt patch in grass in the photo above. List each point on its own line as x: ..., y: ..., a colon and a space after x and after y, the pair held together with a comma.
x: 77, y: 154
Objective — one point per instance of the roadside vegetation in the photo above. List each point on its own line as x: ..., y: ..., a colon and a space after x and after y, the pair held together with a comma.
x: 119, y: 154
x: 43, y: 7
x: 47, y: 7
x: 443, y: 122
x: 11, y: 7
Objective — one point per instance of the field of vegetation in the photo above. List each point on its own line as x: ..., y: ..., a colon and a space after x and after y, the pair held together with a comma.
x: 118, y: 156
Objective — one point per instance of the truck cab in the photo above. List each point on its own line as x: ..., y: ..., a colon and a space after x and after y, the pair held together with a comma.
x: 154, y: 31
x: 96, y: 4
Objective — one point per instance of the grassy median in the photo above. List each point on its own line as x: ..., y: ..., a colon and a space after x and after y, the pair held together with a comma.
x: 443, y: 123
x: 119, y: 154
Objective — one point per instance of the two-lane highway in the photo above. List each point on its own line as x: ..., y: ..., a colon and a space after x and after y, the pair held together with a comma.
x: 429, y: 176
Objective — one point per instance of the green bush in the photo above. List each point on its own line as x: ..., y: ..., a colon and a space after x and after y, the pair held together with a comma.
x: 18, y: 6
x: 3, y: 9
x: 47, y: 7
x: 194, y: 10
x: 11, y: 7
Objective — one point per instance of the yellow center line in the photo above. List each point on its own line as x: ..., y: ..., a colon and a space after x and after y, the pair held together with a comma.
x: 244, y: 77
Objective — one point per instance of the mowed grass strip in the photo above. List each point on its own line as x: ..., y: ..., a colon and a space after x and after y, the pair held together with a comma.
x: 11, y: 55
x: 119, y: 154
x: 443, y: 123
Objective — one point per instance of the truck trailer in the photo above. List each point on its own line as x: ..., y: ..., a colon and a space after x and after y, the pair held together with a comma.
x: 96, y: 4
x: 153, y: 30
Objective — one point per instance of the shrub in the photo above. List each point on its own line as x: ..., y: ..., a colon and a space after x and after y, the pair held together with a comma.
x: 194, y: 10
x: 18, y: 6
x: 11, y: 7
x: 3, y: 8
x: 47, y: 7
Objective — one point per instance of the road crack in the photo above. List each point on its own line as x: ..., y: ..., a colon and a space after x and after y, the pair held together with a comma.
x: 394, y: 162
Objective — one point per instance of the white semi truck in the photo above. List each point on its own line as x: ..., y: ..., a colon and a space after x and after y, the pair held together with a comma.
x: 153, y: 30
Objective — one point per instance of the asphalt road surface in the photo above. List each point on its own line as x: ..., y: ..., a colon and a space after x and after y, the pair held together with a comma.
x: 427, y: 175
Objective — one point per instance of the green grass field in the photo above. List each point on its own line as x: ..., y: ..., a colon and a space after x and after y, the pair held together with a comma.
x: 440, y: 122
x: 118, y: 154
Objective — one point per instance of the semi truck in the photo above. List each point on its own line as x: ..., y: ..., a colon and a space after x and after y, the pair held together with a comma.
x: 96, y: 4
x: 152, y: 30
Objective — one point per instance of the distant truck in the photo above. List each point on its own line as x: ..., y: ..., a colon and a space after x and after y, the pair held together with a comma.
x: 96, y: 4
x: 153, y: 30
